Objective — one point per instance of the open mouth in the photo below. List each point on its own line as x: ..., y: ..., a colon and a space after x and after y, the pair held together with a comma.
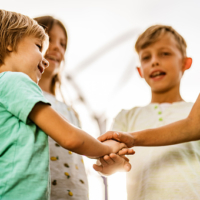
x: 157, y: 74
x: 53, y: 58
x: 41, y: 69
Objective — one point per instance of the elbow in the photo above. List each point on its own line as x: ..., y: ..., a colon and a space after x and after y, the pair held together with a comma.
x: 72, y: 144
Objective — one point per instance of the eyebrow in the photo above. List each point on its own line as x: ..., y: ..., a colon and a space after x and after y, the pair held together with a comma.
x: 39, y: 39
x: 54, y: 35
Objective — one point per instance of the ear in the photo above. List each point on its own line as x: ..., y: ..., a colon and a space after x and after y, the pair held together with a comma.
x: 9, y: 48
x: 140, y: 71
x: 187, y: 63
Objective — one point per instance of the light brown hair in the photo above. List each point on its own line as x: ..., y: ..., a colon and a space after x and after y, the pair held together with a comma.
x: 14, y: 27
x: 154, y: 33
x: 47, y: 23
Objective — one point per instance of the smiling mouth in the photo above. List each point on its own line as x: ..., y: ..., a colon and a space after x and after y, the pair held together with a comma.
x: 41, y: 69
x: 157, y: 74
x: 53, y: 58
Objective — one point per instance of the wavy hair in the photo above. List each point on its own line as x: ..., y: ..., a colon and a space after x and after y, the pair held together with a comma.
x: 14, y: 27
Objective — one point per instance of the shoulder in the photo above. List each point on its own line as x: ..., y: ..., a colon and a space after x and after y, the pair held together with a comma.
x: 14, y: 76
x: 64, y: 109
x: 16, y: 79
x: 18, y: 85
x: 183, y: 105
x: 128, y: 113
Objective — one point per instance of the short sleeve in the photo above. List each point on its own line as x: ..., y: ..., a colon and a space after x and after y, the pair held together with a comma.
x: 120, y: 121
x: 19, y: 94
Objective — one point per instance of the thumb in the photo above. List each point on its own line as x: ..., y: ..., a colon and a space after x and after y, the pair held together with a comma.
x: 125, y: 138
x: 98, y: 168
x: 127, y: 166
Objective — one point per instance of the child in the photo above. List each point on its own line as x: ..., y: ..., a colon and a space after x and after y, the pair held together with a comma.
x: 26, y: 115
x: 72, y: 164
x: 170, y: 172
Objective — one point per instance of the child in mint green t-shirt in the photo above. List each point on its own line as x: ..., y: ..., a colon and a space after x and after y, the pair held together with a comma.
x: 24, y: 147
x: 26, y: 118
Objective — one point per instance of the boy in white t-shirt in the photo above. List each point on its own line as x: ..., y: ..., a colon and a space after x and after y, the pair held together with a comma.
x: 170, y: 172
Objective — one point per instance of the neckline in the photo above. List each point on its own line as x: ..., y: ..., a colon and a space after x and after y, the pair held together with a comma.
x: 173, y: 103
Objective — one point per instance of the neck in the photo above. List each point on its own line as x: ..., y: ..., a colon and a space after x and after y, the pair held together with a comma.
x: 45, y: 84
x: 170, y: 96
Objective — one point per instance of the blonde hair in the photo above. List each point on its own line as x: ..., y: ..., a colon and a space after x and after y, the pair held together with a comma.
x: 154, y: 33
x: 47, y: 22
x: 14, y: 27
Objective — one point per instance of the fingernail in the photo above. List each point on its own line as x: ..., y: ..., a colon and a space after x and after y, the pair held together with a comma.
x: 117, y: 133
x: 127, y: 167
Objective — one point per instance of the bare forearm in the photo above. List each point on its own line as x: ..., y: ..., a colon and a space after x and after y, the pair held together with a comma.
x: 166, y: 135
x: 83, y: 143
x: 67, y: 135
x: 178, y: 132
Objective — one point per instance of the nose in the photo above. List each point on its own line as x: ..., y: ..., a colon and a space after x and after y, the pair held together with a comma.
x: 155, y: 61
x: 55, y: 45
x: 45, y: 63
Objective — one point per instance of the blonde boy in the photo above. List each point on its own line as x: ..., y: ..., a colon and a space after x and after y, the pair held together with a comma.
x: 170, y: 172
x: 26, y: 118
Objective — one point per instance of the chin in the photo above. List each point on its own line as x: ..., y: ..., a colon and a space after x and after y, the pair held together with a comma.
x: 52, y: 70
x: 160, y: 90
x: 36, y: 81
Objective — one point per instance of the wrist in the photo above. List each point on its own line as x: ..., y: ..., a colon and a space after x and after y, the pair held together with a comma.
x: 135, y: 139
x: 107, y: 149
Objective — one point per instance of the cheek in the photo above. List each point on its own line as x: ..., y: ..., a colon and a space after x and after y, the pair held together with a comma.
x: 63, y: 54
x: 145, y: 71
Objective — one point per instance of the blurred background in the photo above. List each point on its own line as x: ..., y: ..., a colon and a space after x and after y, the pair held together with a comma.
x: 100, y: 76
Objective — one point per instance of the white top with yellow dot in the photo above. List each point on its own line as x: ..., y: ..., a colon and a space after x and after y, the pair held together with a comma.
x: 68, y: 176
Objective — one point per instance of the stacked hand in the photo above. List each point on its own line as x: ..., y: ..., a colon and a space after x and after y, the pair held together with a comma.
x: 112, y: 163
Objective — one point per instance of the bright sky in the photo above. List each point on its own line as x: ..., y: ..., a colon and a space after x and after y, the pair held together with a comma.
x: 101, y: 58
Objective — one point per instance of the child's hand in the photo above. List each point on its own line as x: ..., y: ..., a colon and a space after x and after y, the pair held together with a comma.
x: 110, y: 164
x: 126, y: 151
x: 115, y: 146
x: 126, y: 138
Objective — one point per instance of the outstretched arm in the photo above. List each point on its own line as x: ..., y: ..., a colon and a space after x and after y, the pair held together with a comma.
x: 69, y: 136
x: 178, y: 132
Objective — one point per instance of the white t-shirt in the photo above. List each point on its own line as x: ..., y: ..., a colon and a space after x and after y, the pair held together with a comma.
x: 68, y: 176
x: 161, y: 173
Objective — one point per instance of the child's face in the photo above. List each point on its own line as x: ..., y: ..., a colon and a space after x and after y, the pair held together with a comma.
x: 162, y: 64
x: 28, y: 58
x: 56, y: 50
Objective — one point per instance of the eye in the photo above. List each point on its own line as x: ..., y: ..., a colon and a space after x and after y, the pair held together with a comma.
x: 145, y: 57
x: 63, y: 45
x: 39, y: 47
x: 165, y: 53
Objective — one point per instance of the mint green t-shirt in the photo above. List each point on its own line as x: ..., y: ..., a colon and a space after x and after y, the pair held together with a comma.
x: 24, y: 154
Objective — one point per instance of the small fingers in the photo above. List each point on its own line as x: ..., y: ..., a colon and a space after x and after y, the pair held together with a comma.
x: 103, y: 162
x: 127, y: 166
x: 106, y: 136
x: 125, y: 158
x: 98, y: 168
x: 117, y: 158
x: 121, y: 159
x: 108, y: 160
x: 126, y: 151
x: 122, y: 146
